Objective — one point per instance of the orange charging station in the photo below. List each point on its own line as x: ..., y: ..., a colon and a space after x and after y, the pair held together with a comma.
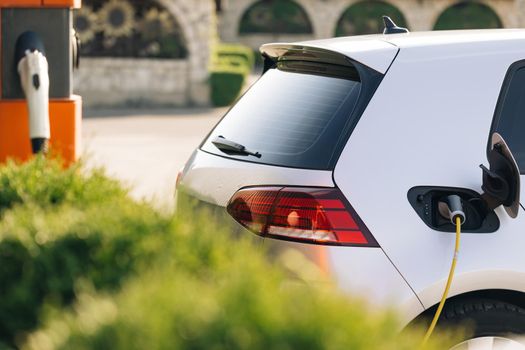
x: 52, y: 21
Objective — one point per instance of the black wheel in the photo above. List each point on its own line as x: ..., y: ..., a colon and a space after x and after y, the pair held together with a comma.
x: 495, y: 324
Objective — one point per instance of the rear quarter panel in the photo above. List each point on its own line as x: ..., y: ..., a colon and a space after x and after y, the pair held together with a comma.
x: 361, y: 272
x: 215, y: 179
x: 428, y: 124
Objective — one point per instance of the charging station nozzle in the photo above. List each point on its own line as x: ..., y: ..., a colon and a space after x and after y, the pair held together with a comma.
x: 32, y: 67
x: 451, y: 207
x: 454, y: 208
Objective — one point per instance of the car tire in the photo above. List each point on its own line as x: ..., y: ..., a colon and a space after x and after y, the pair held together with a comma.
x: 491, y: 321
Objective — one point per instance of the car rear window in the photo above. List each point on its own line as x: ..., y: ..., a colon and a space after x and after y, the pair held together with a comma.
x: 297, y: 115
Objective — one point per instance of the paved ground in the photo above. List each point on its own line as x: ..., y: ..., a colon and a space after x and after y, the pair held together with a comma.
x: 144, y: 148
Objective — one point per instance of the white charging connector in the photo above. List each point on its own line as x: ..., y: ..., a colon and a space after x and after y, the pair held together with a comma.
x: 455, y: 209
x: 34, y: 78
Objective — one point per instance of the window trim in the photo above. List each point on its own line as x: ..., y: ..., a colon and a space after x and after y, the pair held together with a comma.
x: 513, y: 68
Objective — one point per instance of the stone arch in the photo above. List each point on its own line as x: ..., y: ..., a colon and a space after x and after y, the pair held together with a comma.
x: 197, y: 17
x: 275, y: 16
x: 218, y: 6
x: 468, y: 15
x: 365, y: 17
x: 178, y: 13
x: 130, y: 29
x: 142, y: 81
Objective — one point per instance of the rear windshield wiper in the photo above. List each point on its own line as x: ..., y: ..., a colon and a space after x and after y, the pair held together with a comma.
x: 230, y: 147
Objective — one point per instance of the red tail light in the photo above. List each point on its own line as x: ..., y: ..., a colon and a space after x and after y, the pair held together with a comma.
x: 310, y: 215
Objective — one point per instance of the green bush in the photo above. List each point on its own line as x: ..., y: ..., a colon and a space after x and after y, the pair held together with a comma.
x: 214, y: 293
x: 46, y: 183
x: 235, y: 50
x: 43, y: 254
x: 100, y: 270
x: 230, y: 66
x: 235, y: 62
x: 59, y: 226
x: 226, y: 84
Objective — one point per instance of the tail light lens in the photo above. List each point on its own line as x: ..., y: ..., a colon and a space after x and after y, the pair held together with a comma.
x: 310, y: 215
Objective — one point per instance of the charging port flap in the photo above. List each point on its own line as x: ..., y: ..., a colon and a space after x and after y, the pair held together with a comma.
x: 501, y: 181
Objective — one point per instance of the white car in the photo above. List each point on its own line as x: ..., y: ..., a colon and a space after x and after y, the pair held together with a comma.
x: 347, y: 149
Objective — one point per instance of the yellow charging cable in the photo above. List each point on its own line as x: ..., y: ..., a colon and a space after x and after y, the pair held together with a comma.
x: 449, y: 282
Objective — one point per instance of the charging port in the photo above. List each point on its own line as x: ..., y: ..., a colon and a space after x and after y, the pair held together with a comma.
x: 432, y: 205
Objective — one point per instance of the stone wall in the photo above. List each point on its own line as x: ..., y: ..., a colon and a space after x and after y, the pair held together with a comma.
x: 116, y: 82
x: 256, y: 40
x: 104, y: 82
x: 198, y: 20
x: 421, y: 15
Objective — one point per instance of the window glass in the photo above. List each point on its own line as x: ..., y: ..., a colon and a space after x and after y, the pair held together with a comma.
x: 510, y: 116
x: 294, y: 116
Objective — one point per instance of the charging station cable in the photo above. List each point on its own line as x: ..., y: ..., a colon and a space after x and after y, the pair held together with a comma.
x: 457, y: 216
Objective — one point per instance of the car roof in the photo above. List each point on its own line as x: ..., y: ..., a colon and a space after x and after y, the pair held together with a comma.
x: 378, y: 50
x: 422, y: 39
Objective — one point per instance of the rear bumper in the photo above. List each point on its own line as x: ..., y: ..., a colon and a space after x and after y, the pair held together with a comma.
x: 360, y: 272
x: 363, y: 272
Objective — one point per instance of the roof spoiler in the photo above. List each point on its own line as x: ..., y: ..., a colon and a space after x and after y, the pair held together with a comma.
x: 273, y: 53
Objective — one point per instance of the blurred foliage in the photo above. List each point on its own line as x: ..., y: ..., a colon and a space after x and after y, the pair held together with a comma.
x: 222, y: 51
x: 44, y: 183
x: 128, y: 28
x: 242, y: 304
x: 468, y: 15
x: 231, y: 65
x: 366, y: 17
x: 209, y: 291
x: 226, y: 84
x: 43, y: 254
x: 103, y: 271
x: 59, y: 226
x: 275, y: 17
